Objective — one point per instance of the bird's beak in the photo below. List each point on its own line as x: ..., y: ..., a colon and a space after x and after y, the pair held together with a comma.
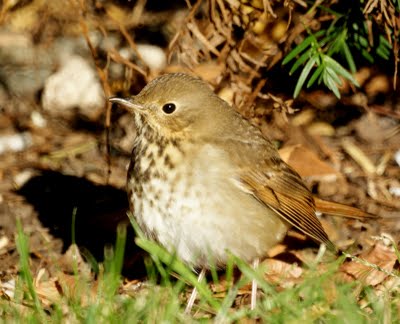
x: 128, y: 104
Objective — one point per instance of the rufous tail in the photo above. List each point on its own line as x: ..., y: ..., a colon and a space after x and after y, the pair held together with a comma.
x: 336, y: 209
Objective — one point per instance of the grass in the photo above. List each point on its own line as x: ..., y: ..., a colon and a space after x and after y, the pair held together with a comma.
x: 318, y: 298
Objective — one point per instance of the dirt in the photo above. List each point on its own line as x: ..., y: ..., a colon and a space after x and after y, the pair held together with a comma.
x: 63, y: 173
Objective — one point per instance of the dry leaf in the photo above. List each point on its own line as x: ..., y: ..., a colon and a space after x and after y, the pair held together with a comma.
x: 307, y: 163
x: 381, y: 255
x: 282, y: 273
x: 72, y: 260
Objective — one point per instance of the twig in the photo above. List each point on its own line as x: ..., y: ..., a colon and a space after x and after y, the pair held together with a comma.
x: 196, y: 32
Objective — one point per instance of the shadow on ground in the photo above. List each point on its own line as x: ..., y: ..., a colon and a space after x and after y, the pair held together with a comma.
x: 98, y: 211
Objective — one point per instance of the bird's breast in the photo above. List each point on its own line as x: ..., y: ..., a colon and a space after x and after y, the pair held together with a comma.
x: 185, y: 197
x: 172, y: 179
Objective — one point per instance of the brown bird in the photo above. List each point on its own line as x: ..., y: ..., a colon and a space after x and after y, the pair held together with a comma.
x: 203, y: 180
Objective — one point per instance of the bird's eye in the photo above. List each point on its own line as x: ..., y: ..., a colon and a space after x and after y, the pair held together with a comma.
x: 169, y: 108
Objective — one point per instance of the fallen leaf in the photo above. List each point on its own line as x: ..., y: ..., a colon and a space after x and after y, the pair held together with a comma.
x: 282, y: 273
x: 307, y: 163
x: 380, y: 256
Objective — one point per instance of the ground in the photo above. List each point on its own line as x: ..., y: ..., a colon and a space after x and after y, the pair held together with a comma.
x: 63, y: 175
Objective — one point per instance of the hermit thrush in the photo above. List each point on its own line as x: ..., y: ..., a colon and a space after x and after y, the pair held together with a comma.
x: 204, y: 181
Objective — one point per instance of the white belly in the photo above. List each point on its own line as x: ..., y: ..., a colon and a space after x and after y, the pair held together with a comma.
x: 201, y: 213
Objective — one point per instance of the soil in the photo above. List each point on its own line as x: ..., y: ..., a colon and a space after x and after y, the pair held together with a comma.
x: 68, y: 183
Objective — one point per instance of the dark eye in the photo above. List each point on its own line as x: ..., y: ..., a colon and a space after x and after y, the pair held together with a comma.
x: 169, y: 108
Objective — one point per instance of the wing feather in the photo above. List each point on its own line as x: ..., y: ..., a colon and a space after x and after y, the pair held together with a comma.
x: 282, y: 190
x: 271, y: 181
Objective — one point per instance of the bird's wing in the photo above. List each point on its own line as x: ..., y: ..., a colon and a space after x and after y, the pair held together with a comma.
x: 282, y: 190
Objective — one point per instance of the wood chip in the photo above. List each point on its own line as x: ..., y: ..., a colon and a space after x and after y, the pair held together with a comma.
x: 359, y: 156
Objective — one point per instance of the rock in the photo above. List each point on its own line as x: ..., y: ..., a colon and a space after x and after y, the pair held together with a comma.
x: 74, y: 85
x: 24, y: 67
x: 153, y: 56
x: 15, y: 142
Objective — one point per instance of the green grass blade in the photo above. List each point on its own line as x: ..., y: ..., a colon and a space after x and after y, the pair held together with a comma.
x: 349, y: 58
x: 303, y: 76
x: 25, y: 272
x: 159, y: 253
x: 384, y: 48
x: 367, y: 55
x: 300, y: 61
x: 339, y: 69
x: 331, y: 84
x: 315, y: 75
x: 113, y: 261
x: 250, y: 273
x: 177, y: 266
x: 333, y: 75
x: 297, y: 50
x: 302, y: 46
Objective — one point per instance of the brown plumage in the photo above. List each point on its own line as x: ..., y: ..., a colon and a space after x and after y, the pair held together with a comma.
x: 204, y: 181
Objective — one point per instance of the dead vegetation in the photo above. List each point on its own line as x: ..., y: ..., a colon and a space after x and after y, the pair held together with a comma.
x: 57, y: 164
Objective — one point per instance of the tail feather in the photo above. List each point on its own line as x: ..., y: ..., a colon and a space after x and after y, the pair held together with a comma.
x: 341, y: 210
